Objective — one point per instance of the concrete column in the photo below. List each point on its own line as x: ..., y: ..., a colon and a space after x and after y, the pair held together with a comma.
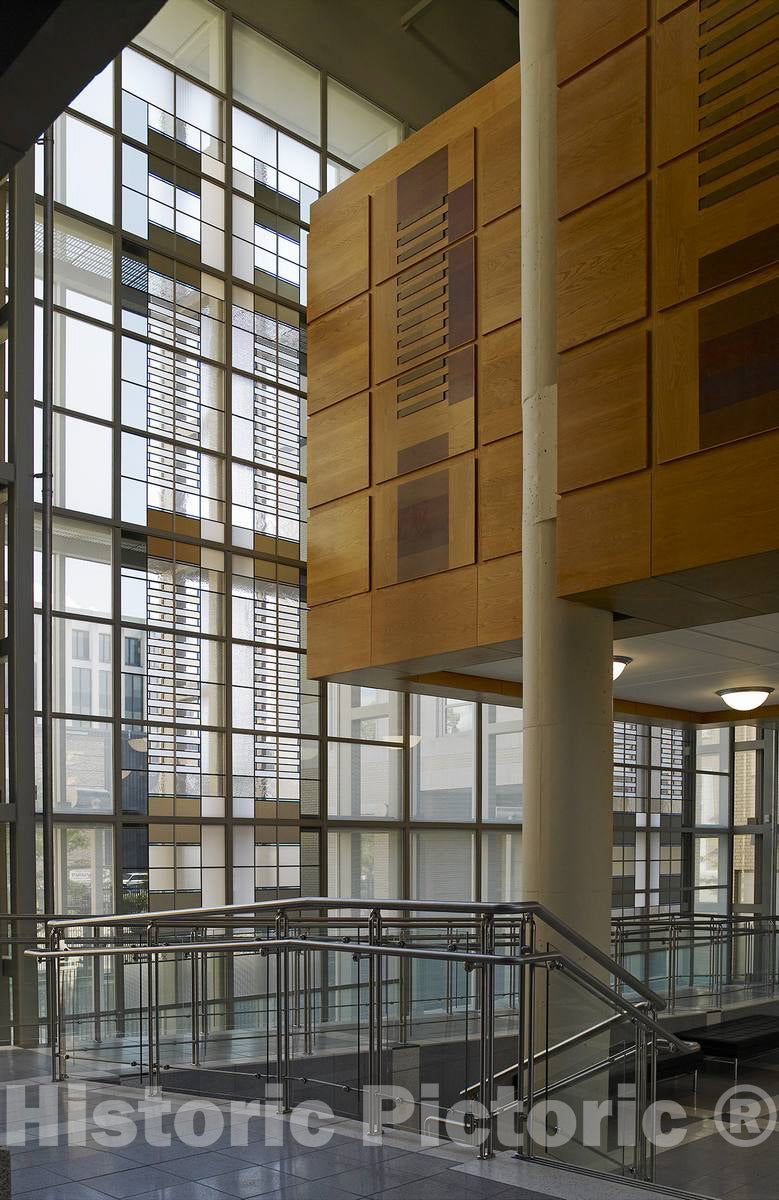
x: 567, y: 648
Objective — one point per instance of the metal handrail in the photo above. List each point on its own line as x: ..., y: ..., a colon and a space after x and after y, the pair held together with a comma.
x: 358, y: 949
x: 475, y: 908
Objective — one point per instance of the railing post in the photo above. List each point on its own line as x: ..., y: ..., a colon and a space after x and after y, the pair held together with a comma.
x: 195, y: 1004
x: 530, y: 978
x: 640, y: 1072
x: 52, y: 991
x: 673, y: 953
x: 282, y: 1014
x: 487, y: 1033
x: 203, y: 991
x: 152, y: 1016
x: 308, y: 1000
x: 374, y: 1026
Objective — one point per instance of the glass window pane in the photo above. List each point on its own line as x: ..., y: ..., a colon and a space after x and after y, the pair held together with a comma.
x: 81, y: 667
x: 81, y: 568
x: 83, y: 359
x: 97, y: 98
x: 83, y: 870
x: 363, y: 713
x: 356, y: 129
x: 336, y: 173
x: 712, y: 749
x: 745, y: 847
x: 77, y: 444
x: 710, y: 862
x: 711, y: 799
x: 501, y: 867
x: 442, y: 865
x: 275, y: 82
x: 188, y: 34
x: 84, y: 168
x: 363, y: 781
x: 82, y: 762
x: 747, y: 789
x: 83, y: 267
x: 363, y: 863
x: 502, y: 762
x: 442, y: 759
x: 148, y: 80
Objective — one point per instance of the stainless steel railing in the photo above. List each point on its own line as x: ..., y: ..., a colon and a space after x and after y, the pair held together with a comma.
x: 700, y: 959
x: 488, y: 958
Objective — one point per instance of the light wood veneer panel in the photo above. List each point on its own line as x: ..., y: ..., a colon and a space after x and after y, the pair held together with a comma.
x: 675, y: 382
x: 716, y: 505
x: 499, y: 266
x: 425, y: 616
x: 602, y: 417
x: 339, y: 450
x: 339, y: 354
x: 601, y: 128
x: 338, y: 255
x: 339, y: 636
x: 603, y: 534
x: 500, y: 384
x: 589, y: 29
x: 498, y: 163
x: 602, y: 266
x: 339, y: 549
x: 500, y: 600
x: 500, y: 498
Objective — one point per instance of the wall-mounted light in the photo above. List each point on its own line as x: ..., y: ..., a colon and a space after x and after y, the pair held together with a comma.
x: 618, y: 665
x: 744, y: 699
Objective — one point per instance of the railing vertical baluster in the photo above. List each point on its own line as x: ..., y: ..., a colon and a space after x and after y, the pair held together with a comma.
x: 195, y: 1003
x: 150, y: 1001
x: 530, y: 978
x: 282, y: 1014
x: 487, y: 1033
x: 374, y: 1025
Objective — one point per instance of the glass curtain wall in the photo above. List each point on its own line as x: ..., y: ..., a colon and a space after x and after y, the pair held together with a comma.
x: 187, y: 740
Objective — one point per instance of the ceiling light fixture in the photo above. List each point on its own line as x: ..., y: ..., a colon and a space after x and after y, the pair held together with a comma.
x: 744, y: 699
x: 618, y: 665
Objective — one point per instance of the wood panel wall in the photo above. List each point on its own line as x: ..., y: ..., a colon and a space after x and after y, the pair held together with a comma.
x: 668, y: 328
x: 668, y: 176
x: 415, y: 449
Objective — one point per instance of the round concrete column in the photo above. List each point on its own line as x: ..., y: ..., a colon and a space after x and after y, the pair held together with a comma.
x: 567, y: 647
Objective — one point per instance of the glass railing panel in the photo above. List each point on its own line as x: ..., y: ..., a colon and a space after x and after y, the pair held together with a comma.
x: 583, y: 1096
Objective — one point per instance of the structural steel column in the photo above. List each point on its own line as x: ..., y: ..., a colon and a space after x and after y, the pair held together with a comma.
x: 567, y: 647
x: 20, y: 591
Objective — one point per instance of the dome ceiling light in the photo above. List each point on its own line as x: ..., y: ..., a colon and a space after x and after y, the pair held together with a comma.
x: 744, y: 699
x: 618, y: 665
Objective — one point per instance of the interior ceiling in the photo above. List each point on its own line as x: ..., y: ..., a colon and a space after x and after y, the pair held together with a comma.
x: 49, y: 51
x: 415, y: 59
x: 684, y: 668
